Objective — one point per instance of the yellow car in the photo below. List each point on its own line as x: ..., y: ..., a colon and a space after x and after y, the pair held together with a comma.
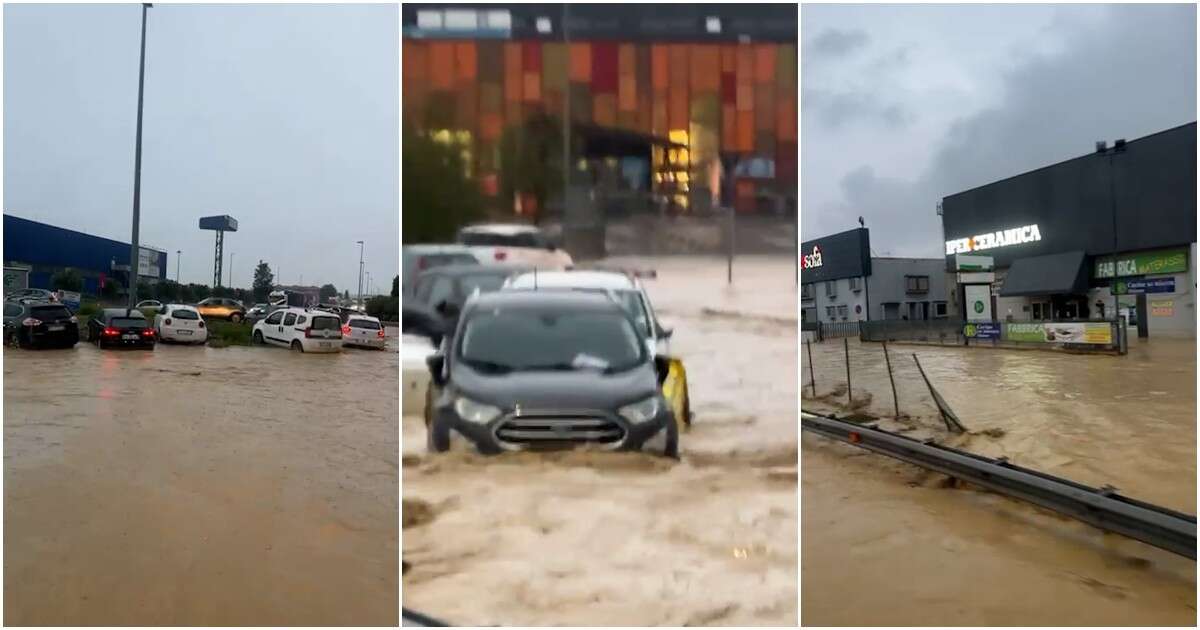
x: 222, y: 308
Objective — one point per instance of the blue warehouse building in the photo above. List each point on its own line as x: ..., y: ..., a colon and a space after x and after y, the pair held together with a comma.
x: 47, y: 249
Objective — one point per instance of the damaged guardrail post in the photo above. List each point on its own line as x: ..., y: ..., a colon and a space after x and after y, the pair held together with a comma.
x: 948, y: 415
x: 812, y: 378
x: 895, y: 400
x: 849, y: 391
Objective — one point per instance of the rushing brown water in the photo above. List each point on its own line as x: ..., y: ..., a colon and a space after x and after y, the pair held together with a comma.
x: 200, y: 486
x: 917, y: 553
x: 587, y: 538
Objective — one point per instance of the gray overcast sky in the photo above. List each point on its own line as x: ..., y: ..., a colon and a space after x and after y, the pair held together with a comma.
x: 905, y: 104
x: 283, y: 116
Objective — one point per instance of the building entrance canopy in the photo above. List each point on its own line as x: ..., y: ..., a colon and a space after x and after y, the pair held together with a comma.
x: 1055, y: 274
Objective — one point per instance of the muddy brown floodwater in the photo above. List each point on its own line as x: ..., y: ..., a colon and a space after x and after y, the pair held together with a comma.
x: 629, y: 539
x: 200, y: 486
x: 917, y: 552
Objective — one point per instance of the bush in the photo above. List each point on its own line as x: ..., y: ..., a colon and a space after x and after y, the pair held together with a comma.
x: 386, y: 308
x: 223, y: 333
x: 67, y: 280
x: 88, y: 309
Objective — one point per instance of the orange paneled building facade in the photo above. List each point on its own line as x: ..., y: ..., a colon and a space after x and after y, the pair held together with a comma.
x: 696, y: 85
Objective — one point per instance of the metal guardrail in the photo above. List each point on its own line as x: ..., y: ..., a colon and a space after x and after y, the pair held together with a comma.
x: 1100, y: 507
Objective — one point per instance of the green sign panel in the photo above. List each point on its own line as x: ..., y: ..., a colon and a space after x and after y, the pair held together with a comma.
x: 1026, y: 332
x: 1163, y: 261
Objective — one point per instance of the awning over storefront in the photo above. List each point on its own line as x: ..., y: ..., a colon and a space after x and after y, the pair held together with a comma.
x: 1046, y: 275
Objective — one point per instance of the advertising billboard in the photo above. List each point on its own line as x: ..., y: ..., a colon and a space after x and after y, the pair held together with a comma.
x: 148, y: 262
x: 1066, y: 332
x: 843, y: 255
x: 979, y: 302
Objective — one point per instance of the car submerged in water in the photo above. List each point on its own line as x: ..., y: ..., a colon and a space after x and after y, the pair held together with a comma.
x: 37, y: 324
x: 553, y: 370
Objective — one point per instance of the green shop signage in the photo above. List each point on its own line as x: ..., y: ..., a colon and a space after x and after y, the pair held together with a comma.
x: 1162, y: 261
x: 1025, y: 332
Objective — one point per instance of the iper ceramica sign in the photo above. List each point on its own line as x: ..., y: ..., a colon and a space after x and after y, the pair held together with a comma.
x: 992, y: 240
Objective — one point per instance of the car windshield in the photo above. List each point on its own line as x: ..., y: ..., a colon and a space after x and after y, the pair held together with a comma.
x: 325, y: 322
x: 50, y: 312
x: 501, y: 341
x: 128, y: 322
x: 632, y: 301
x: 492, y: 239
x: 185, y: 314
x: 486, y: 283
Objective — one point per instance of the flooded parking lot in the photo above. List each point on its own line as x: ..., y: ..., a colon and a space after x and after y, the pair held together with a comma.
x: 630, y: 539
x: 970, y: 557
x: 200, y: 486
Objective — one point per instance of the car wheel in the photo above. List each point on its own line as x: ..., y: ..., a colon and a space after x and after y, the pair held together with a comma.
x: 236, y: 318
x: 257, y: 338
x: 296, y: 345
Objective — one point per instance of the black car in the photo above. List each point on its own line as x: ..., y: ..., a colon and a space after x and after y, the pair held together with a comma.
x: 44, y: 295
x: 121, y: 328
x: 40, y: 325
x: 437, y: 296
x: 527, y: 370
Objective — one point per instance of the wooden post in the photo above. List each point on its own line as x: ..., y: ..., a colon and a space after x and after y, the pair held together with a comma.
x: 895, y: 400
x: 812, y: 379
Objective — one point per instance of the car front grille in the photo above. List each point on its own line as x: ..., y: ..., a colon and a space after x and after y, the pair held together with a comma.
x: 530, y: 430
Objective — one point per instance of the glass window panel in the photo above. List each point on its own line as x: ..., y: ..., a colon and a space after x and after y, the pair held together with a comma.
x: 764, y: 63
x: 461, y: 20
x: 464, y: 58
x: 554, y: 66
x: 441, y: 66
x: 499, y: 20
x: 429, y: 20
x: 581, y: 63
x: 659, y: 67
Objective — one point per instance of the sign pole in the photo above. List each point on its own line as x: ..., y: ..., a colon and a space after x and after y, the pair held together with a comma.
x: 849, y: 391
x: 812, y: 379
x: 895, y: 400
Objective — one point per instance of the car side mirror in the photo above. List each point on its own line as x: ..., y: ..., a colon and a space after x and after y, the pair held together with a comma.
x: 436, y: 363
x: 662, y: 366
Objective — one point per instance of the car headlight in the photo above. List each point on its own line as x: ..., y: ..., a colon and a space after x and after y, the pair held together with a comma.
x: 475, y: 412
x: 641, y: 411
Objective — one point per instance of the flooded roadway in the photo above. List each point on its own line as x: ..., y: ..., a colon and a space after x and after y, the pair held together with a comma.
x: 200, y: 486
x: 971, y: 558
x: 630, y: 539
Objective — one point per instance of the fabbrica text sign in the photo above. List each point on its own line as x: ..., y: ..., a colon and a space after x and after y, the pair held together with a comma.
x: 1163, y: 261
x: 992, y: 240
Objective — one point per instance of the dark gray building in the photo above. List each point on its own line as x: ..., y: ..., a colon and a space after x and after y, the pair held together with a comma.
x: 1065, y: 237
x: 841, y: 282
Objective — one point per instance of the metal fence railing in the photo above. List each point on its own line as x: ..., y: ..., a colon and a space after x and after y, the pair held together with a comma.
x: 944, y: 331
x: 837, y: 330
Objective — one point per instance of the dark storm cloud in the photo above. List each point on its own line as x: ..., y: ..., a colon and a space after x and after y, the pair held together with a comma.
x: 835, y: 109
x: 1127, y: 75
x: 836, y: 43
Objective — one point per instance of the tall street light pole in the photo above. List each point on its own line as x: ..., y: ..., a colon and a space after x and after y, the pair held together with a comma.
x: 231, y: 255
x: 178, y: 256
x: 137, y: 169
x: 360, y: 272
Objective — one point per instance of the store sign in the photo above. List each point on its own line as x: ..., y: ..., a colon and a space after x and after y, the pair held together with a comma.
x: 1165, y: 261
x: 964, y: 262
x: 979, y: 302
x: 812, y: 260
x: 1162, y: 308
x: 1143, y: 285
x: 1067, y: 332
x: 992, y: 240
x: 147, y: 262
x: 977, y: 278
x: 981, y: 331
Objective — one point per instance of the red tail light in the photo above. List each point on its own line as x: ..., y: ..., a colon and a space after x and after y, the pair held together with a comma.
x: 149, y: 332
x: 345, y: 331
x: 111, y: 332
x: 32, y: 321
x: 381, y: 335
x: 500, y: 254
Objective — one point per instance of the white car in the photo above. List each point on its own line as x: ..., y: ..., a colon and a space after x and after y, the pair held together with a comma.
x: 513, y: 243
x: 364, y: 331
x: 180, y: 322
x: 300, y: 329
x: 154, y: 304
x: 625, y: 286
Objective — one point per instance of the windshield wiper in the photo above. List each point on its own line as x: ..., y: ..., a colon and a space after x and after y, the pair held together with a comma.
x: 488, y: 366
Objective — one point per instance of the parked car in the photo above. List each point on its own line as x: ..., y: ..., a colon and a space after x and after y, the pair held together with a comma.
x: 43, y: 295
x: 438, y: 295
x: 40, y: 325
x: 300, y: 329
x: 257, y: 312
x: 627, y: 287
x: 154, y: 304
x: 121, y: 328
x: 364, y: 331
x: 222, y: 308
x: 181, y: 323
x: 421, y: 258
x: 530, y: 370
x: 514, y: 243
